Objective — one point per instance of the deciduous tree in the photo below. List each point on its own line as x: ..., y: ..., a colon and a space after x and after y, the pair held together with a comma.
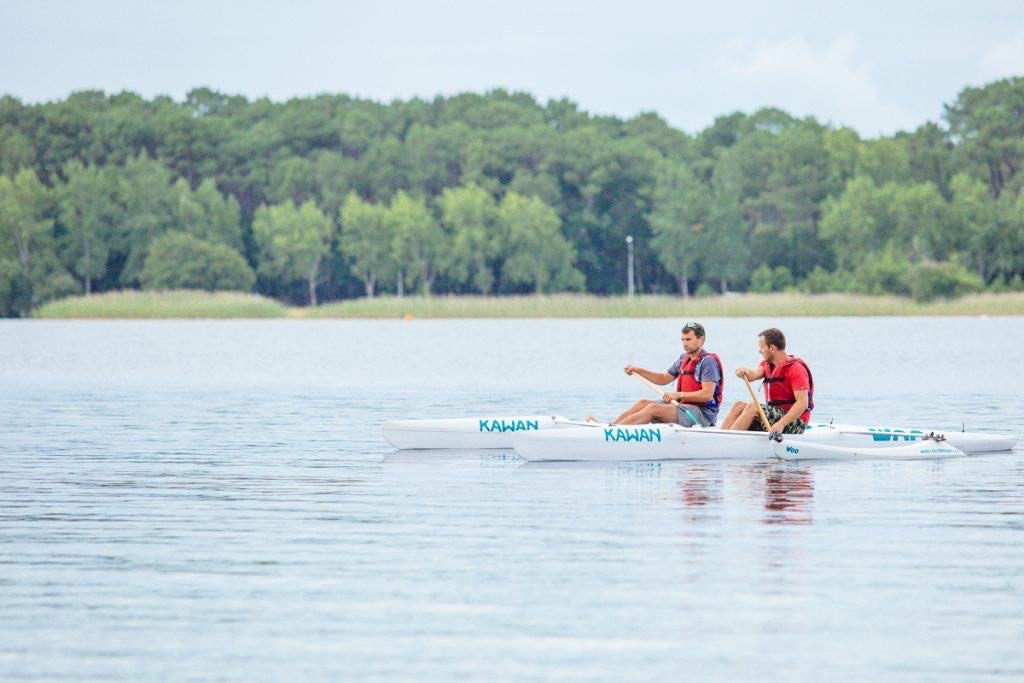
x: 366, y: 241
x: 470, y: 217
x: 537, y: 254
x: 418, y: 243
x: 293, y: 241
x: 88, y: 213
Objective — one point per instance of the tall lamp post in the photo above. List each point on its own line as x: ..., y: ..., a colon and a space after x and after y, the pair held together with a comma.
x: 629, y: 265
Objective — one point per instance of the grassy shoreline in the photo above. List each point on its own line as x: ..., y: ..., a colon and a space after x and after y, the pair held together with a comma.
x: 225, y: 305
x: 130, y: 304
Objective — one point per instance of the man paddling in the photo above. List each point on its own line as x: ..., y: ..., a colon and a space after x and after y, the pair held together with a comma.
x: 698, y: 391
x: 789, y: 389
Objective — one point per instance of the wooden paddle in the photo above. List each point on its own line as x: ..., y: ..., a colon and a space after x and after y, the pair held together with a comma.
x: 760, y: 410
x: 652, y: 385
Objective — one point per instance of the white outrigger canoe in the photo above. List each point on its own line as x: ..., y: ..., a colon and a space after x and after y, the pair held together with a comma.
x: 559, y: 439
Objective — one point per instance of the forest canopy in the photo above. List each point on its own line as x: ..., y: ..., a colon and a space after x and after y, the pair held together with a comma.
x: 330, y: 197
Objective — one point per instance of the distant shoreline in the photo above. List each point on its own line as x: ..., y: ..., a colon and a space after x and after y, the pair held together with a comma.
x: 184, y: 304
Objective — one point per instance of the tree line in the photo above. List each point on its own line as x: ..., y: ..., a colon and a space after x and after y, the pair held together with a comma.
x: 330, y: 197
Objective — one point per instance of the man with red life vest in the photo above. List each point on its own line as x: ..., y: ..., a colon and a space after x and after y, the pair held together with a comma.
x: 698, y: 391
x: 789, y: 390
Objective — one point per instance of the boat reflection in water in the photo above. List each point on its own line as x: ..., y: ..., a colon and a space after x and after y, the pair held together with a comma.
x: 701, y: 485
x: 788, y: 494
x: 706, y: 490
x: 784, y: 490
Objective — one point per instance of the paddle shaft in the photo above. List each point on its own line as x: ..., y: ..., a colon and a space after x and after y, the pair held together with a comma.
x: 760, y: 410
x: 654, y: 386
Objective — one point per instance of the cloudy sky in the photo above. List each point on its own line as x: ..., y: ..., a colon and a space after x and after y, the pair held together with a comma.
x: 876, y: 66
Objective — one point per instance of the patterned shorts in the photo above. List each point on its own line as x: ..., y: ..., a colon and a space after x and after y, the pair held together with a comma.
x: 774, y: 414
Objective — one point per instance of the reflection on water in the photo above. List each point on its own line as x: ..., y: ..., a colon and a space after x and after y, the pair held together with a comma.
x: 785, y: 491
x: 701, y: 485
x: 700, y: 488
x: 788, y: 494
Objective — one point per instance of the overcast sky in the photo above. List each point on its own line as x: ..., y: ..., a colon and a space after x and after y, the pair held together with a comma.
x: 876, y: 66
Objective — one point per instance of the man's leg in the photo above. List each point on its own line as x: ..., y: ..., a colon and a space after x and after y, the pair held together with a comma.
x: 745, y: 418
x: 632, y: 410
x: 734, y: 413
x: 652, y: 412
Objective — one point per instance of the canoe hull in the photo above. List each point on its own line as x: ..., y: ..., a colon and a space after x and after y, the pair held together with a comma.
x: 468, y: 432
x: 671, y: 442
x: 641, y: 442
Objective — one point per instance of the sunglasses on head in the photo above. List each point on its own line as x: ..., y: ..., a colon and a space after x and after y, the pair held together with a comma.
x: 696, y: 328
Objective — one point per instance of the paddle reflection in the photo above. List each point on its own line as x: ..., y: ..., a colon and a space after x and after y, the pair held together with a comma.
x: 788, y: 494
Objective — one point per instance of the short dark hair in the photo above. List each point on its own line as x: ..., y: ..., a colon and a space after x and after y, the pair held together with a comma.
x: 696, y: 328
x: 773, y: 337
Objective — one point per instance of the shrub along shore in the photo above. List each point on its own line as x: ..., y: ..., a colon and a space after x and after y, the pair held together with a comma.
x: 196, y: 304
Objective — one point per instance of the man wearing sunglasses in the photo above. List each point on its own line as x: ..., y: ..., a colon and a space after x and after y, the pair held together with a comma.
x: 698, y: 390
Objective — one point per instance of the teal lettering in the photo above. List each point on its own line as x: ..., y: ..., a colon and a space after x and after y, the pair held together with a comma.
x: 635, y: 434
x: 876, y: 436
x: 890, y: 434
x: 507, y: 425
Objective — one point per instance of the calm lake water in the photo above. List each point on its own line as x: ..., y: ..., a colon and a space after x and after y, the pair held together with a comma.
x: 187, y: 500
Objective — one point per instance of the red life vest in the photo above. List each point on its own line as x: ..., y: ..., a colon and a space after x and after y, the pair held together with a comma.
x: 780, y: 393
x: 687, y: 380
